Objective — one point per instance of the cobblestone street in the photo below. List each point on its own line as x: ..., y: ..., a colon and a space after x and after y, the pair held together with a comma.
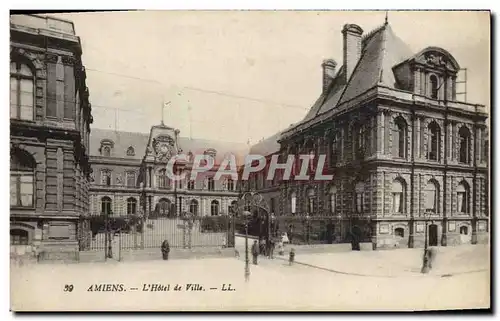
x: 364, y: 283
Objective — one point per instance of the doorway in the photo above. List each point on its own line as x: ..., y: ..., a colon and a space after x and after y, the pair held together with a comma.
x: 433, y: 235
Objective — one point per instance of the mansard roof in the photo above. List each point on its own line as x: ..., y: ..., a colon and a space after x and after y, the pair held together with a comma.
x: 381, y: 51
x: 139, y: 141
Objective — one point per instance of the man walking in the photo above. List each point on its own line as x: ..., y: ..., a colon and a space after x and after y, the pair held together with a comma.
x: 255, y: 252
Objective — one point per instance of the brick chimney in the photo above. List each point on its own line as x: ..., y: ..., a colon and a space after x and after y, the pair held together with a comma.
x: 328, y: 72
x: 352, y: 48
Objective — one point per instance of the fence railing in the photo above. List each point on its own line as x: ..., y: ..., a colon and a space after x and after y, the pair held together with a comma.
x: 137, y: 233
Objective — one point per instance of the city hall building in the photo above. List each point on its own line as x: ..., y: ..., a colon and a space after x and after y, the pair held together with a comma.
x: 404, y: 152
x: 130, y: 176
x: 50, y: 117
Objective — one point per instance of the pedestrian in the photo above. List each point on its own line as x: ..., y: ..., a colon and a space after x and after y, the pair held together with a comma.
x: 432, y: 256
x: 165, y: 249
x: 291, y: 257
x: 281, y: 248
x: 255, y: 252
x: 262, y: 246
x: 271, y: 248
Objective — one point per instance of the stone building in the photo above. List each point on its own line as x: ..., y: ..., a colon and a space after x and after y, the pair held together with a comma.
x: 50, y: 117
x: 130, y: 167
x: 404, y: 151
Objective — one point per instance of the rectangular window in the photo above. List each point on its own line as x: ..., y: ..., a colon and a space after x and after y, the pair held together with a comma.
x: 333, y: 202
x: 69, y: 93
x: 131, y: 179
x: 51, y: 90
x: 359, y: 202
x: 13, y: 98
x: 26, y: 99
x: 21, y: 190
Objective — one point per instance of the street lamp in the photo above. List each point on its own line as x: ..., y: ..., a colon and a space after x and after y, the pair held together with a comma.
x: 246, y: 217
x: 306, y: 221
x: 426, y: 264
x: 246, y: 203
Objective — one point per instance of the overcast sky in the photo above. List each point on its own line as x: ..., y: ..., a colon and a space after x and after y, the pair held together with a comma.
x: 239, y: 75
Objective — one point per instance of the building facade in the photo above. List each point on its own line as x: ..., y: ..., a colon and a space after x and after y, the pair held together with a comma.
x: 50, y: 117
x: 129, y: 175
x: 408, y: 158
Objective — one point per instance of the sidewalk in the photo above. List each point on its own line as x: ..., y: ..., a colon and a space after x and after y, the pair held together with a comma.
x: 403, y: 262
x: 384, y: 263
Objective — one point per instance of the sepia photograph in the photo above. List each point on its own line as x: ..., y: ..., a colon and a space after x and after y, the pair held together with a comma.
x: 259, y: 160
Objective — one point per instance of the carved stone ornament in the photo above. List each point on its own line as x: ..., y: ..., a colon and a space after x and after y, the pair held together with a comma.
x: 119, y: 179
x: 436, y: 60
x: 92, y: 177
x: 164, y: 147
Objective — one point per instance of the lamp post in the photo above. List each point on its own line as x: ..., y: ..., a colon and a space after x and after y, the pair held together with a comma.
x: 307, y: 218
x: 426, y: 264
x: 246, y: 216
x: 247, y: 201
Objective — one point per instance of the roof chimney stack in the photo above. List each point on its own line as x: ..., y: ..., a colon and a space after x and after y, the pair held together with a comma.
x: 352, y: 48
x: 329, y: 66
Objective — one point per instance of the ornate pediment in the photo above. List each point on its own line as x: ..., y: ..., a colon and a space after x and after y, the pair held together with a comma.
x: 164, y: 147
x: 437, y: 58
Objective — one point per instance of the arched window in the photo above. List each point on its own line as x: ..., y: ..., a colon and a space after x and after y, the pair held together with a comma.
x: 310, y: 201
x: 464, y: 136
x: 130, y: 151
x: 21, y: 91
x: 399, y: 232
x: 293, y: 200
x: 106, y: 177
x: 19, y: 237
x: 431, y: 196
x: 106, y: 151
x: 163, y: 179
x: 464, y: 230
x: 210, y: 184
x: 434, y: 87
x: 398, y: 196
x: 359, y: 191
x: 190, y: 184
x: 399, y: 138
x: 131, y: 206
x: 214, y: 208
x: 433, y: 142
x: 130, y: 179
x: 106, y: 206
x: 163, y: 207
x: 333, y: 199
x: 230, y: 184
x: 234, y: 208
x: 22, y: 179
x: 193, y: 207
x: 463, y: 197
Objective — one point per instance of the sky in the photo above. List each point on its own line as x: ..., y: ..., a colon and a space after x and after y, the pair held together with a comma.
x: 241, y: 76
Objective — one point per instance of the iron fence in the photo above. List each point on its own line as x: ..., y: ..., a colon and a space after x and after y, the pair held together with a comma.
x: 136, y: 233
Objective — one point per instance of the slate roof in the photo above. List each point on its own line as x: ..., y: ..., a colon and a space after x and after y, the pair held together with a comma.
x: 123, y: 140
x: 267, y: 146
x: 381, y: 51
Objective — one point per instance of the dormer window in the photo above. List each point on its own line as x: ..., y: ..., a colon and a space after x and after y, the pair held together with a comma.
x: 130, y: 151
x: 431, y: 73
x: 106, y: 147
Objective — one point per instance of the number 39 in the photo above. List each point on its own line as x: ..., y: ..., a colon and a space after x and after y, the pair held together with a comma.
x: 68, y: 287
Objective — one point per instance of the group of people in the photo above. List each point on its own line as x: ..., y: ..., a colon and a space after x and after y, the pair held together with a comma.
x: 268, y: 247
